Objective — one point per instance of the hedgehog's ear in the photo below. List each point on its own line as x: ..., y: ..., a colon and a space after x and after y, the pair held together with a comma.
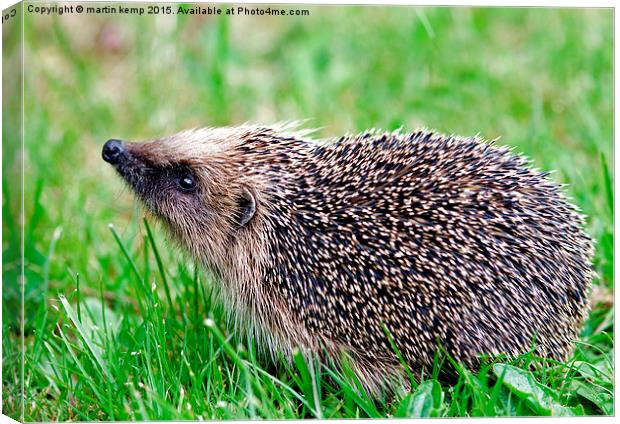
x: 246, y: 207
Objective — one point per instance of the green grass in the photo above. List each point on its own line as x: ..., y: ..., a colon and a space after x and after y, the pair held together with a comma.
x: 120, y: 326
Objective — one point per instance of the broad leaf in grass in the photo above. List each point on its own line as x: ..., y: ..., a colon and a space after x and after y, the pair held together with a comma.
x: 595, y: 371
x: 541, y: 399
x: 568, y: 411
x: 596, y: 394
x: 93, y: 313
x: 426, y: 401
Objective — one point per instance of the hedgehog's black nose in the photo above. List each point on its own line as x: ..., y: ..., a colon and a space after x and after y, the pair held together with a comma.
x: 112, y: 151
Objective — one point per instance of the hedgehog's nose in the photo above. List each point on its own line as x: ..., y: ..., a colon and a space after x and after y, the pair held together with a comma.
x: 112, y: 151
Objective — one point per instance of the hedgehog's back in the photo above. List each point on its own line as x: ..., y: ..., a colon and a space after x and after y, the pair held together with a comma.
x: 436, y: 238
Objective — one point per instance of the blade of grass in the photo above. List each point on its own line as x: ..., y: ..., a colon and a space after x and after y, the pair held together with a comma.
x: 126, y: 254
x: 160, y: 264
x: 133, y: 268
x: 94, y: 351
x: 609, y: 191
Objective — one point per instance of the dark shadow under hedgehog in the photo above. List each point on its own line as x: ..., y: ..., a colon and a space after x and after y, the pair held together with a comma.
x: 326, y: 244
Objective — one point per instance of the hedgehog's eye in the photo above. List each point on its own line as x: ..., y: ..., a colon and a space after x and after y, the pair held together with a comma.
x: 187, y: 182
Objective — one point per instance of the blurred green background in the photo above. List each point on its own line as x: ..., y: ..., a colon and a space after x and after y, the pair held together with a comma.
x: 541, y: 79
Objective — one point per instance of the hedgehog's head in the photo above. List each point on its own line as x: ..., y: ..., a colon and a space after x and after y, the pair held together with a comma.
x: 205, y: 185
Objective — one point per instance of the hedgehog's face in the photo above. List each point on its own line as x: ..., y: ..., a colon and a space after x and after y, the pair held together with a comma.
x: 189, y: 185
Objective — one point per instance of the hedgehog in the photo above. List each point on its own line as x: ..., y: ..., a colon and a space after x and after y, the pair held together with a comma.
x: 380, y: 249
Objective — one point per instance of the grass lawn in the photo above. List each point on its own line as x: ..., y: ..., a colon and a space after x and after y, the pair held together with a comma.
x: 120, y: 325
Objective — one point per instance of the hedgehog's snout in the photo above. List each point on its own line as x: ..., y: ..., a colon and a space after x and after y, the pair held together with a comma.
x: 113, y: 151
x: 117, y: 154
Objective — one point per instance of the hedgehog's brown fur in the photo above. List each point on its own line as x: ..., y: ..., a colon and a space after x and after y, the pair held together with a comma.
x: 438, y: 240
